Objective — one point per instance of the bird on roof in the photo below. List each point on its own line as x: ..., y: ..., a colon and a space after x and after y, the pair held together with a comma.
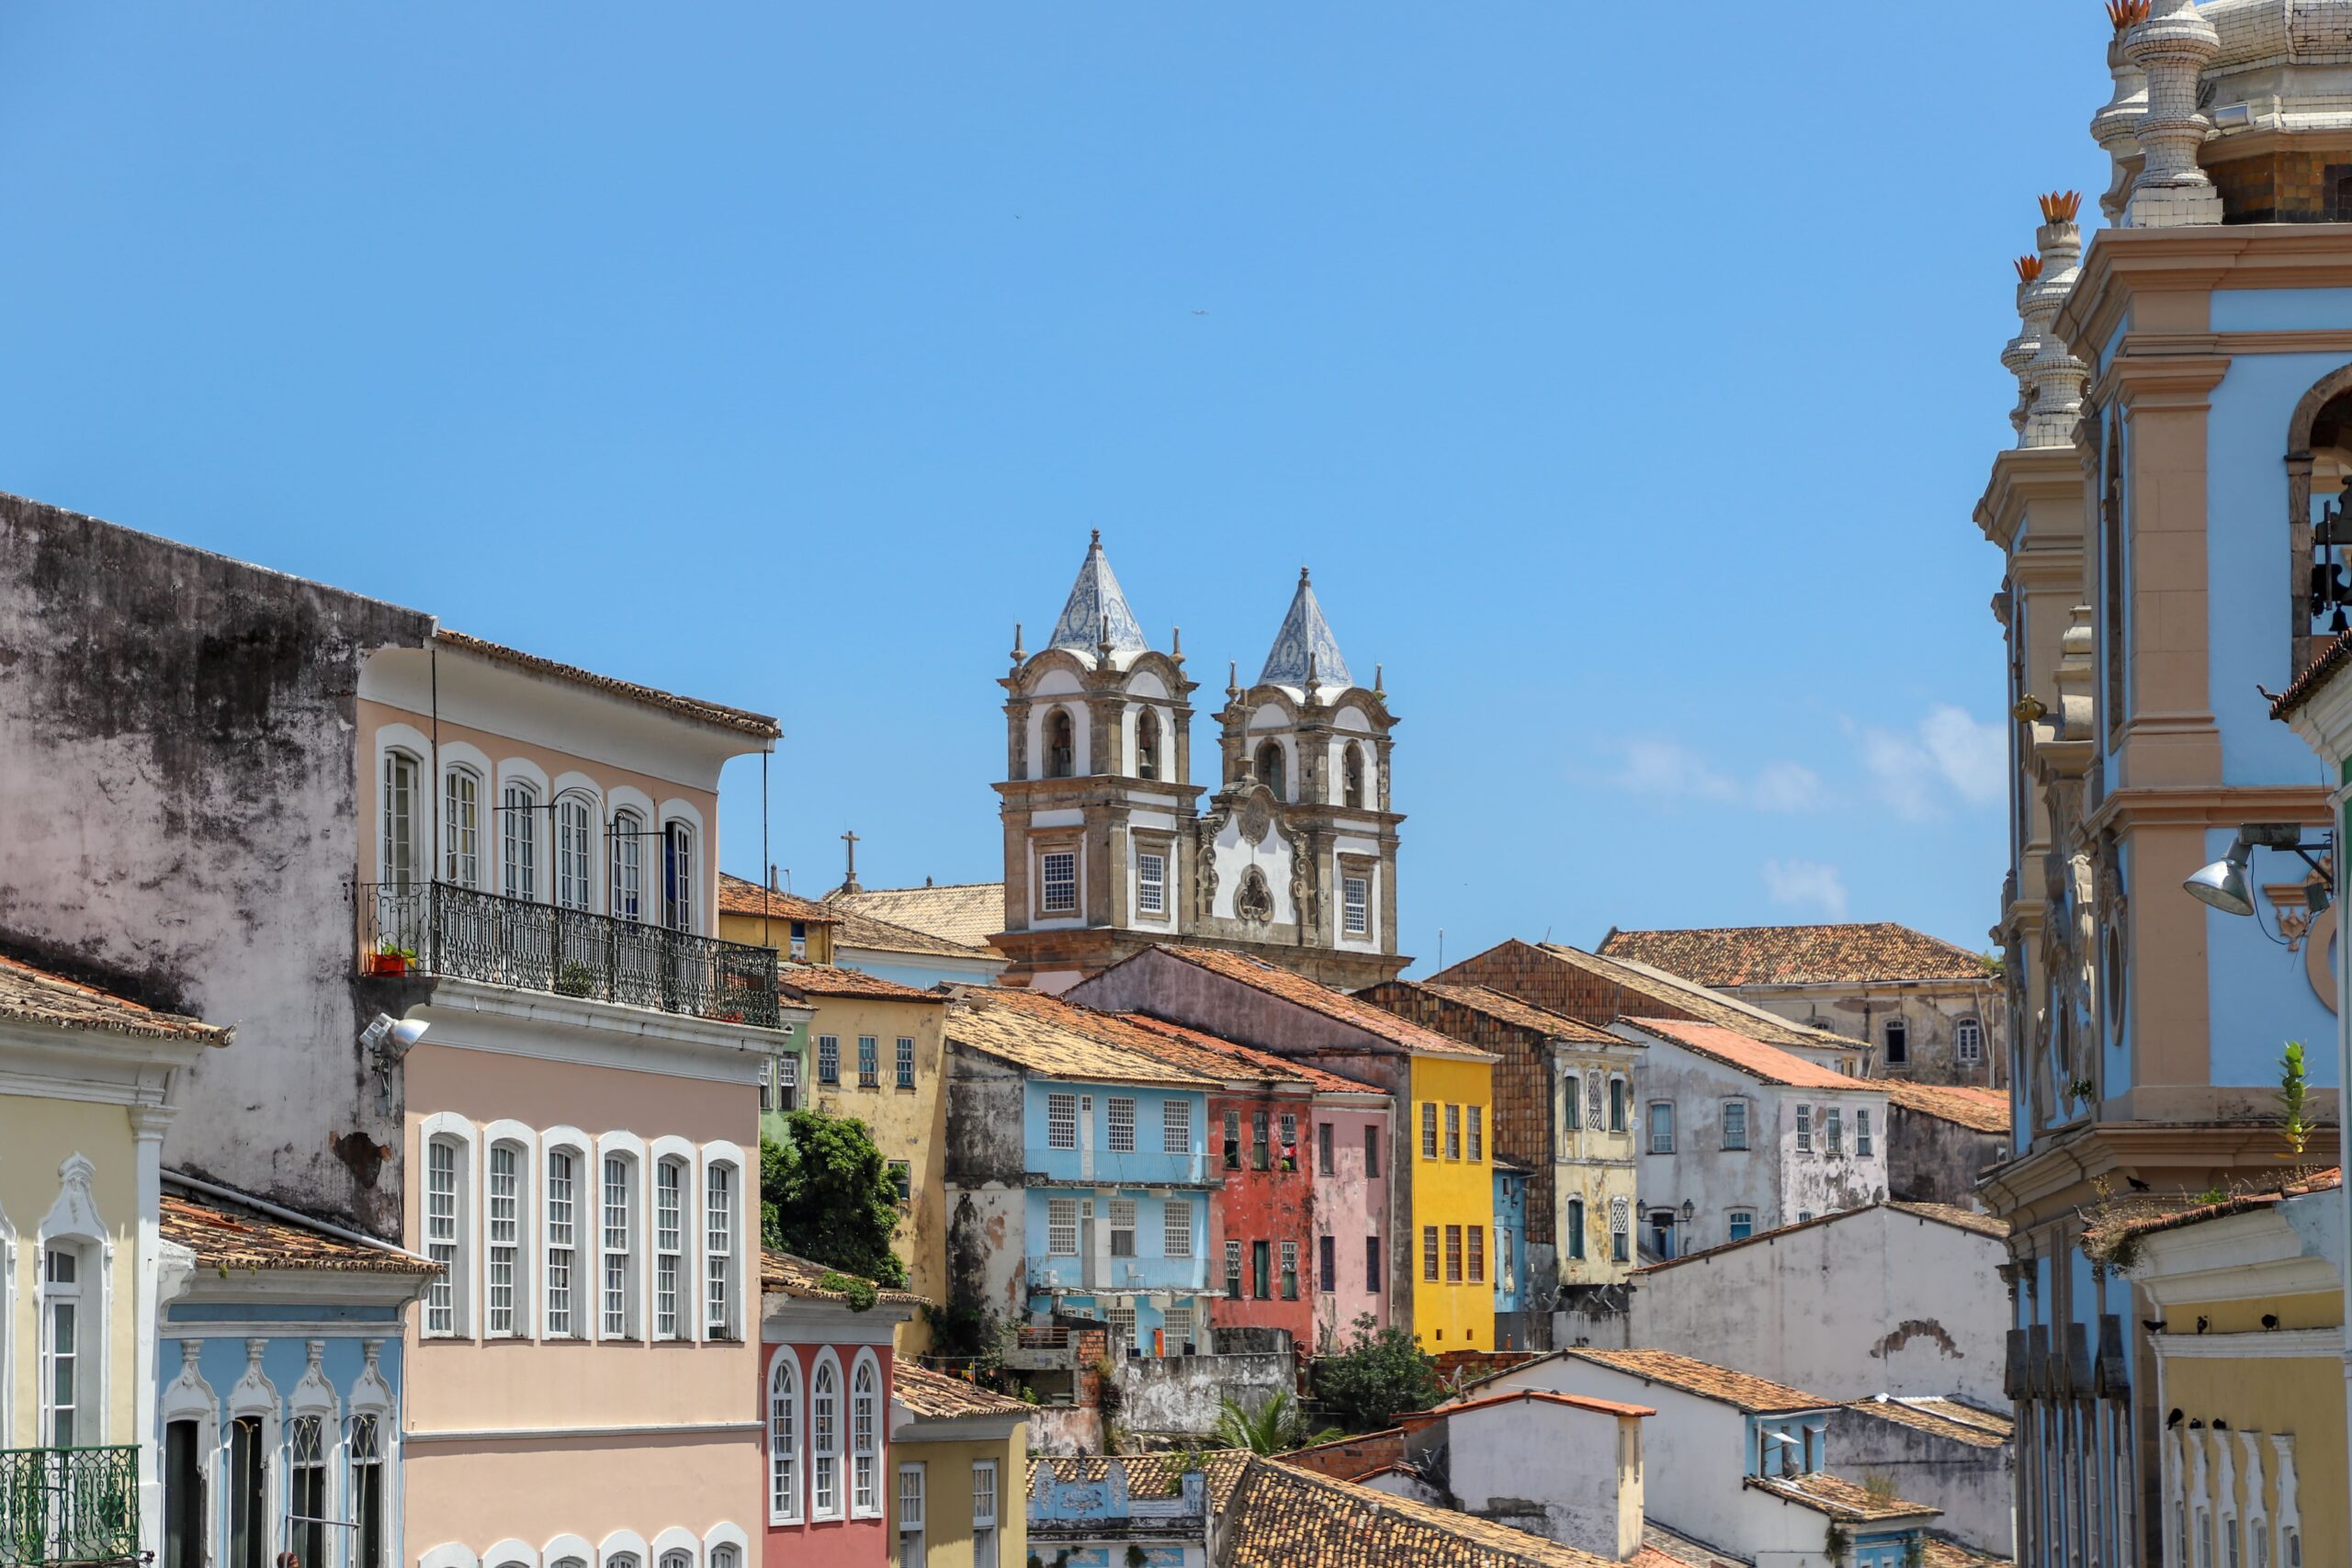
x: 2153, y: 1325
x: 2197, y: 1425
x: 2134, y: 1183
x: 2269, y: 1320
x: 2203, y: 1323
x: 2219, y: 1425
x: 2173, y: 1420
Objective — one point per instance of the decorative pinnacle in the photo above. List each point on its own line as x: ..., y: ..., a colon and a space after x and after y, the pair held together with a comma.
x: 1379, y: 686
x: 1020, y: 655
x: 1098, y: 535
x: 1302, y: 574
x: 1103, y: 643
x: 2059, y: 206
x: 1232, y: 678
x: 2028, y: 268
x: 1311, y: 681
x: 1176, y: 644
x: 2127, y: 14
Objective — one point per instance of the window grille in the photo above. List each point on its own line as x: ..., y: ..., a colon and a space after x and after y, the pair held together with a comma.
x: 1061, y: 1227
x: 1061, y: 1121
x: 1176, y: 1126
x: 906, y: 1062
x: 440, y: 1237
x: 560, y: 1242
x: 829, y: 1060
x: 1176, y: 1227
x: 1057, y: 877
x: 669, y: 1245
x: 718, y: 1225
x: 1122, y: 1120
x: 505, y: 1239
x: 1123, y: 1228
x: 1355, y: 904
x: 1151, y: 884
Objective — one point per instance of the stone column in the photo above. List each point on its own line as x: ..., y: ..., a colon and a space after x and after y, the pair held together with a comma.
x: 2173, y: 47
x: 2054, y: 374
x: 2116, y: 126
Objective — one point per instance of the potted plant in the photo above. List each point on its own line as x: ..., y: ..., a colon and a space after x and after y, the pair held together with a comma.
x: 389, y: 958
x: 575, y: 979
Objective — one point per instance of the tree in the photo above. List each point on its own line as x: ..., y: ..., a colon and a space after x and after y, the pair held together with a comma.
x: 1275, y: 1427
x: 826, y: 1195
x: 1380, y: 1374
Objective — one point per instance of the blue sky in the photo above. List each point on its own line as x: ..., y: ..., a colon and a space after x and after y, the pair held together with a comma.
x: 1627, y: 375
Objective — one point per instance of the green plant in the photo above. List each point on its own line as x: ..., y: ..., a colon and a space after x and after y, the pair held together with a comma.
x: 1035, y: 1561
x: 1879, y: 1484
x: 2212, y: 1195
x: 389, y: 949
x: 861, y: 1293
x: 2081, y: 1089
x: 2295, y: 1097
x: 1107, y: 1397
x: 1837, y: 1543
x: 1275, y: 1425
x: 826, y: 1195
x: 1380, y: 1374
x: 575, y: 980
x: 1915, y: 1553
x: 1136, y: 1558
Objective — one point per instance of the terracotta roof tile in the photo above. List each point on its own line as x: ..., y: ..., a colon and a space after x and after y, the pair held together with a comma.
x: 1507, y: 1009
x: 1943, y: 1417
x: 740, y: 895
x: 827, y: 980
x: 856, y: 928
x: 227, y: 1235
x: 1750, y: 1055
x: 1944, y: 1553
x: 1758, y: 1396
x: 1979, y: 1110
x: 1638, y: 980
x: 1287, y: 1517
x: 2145, y: 1214
x: 1840, y: 1499
x: 787, y: 1275
x: 1855, y: 954
x: 968, y: 912
x: 1572, y: 1400
x: 757, y: 725
x: 39, y: 997
x: 2298, y: 691
x: 1338, y: 1006
x: 1664, y: 1548
x: 1206, y: 1054
x: 1060, y: 1039
x: 1150, y: 1475
x: 935, y: 1396
x: 1953, y: 1214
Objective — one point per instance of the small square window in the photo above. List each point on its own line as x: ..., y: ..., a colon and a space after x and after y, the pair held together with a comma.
x: 1061, y: 1121
x: 1058, y: 882
x: 1355, y: 905
x: 1151, y: 884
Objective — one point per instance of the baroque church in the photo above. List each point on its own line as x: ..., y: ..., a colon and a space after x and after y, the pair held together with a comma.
x: 1106, y: 848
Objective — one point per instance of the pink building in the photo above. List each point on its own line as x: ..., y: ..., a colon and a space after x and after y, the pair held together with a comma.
x: 1351, y: 1164
x: 826, y: 1377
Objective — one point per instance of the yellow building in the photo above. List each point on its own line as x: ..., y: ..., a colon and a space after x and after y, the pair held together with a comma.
x: 1453, y: 1209
x: 2249, y: 1376
x: 962, y: 1459
x: 90, y: 1078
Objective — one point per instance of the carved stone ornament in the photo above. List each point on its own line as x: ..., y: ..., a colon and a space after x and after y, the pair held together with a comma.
x: 1205, y: 866
x: 2114, y: 910
x: 1253, y: 900
x: 1257, y: 817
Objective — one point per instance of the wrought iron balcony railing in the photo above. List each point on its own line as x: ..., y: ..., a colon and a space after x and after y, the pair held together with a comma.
x: 67, y: 1507
x: 438, y: 929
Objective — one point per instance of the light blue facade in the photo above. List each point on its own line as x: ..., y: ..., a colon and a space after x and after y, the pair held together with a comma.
x: 1086, y: 1147
x: 1510, y: 1239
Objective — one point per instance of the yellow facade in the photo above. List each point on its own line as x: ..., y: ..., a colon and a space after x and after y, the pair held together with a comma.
x: 1594, y: 1173
x: 909, y: 1125
x: 45, y: 1145
x: 1451, y: 1226
x: 811, y: 941
x: 949, y: 1471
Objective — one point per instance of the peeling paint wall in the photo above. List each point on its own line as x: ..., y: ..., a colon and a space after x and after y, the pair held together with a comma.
x: 1930, y: 1160
x: 1569, y: 1476
x: 1875, y: 1301
x: 1179, y: 1395
x: 178, y: 798
x: 1974, y: 1486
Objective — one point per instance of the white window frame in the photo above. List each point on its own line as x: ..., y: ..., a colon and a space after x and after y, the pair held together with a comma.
x: 625, y: 882
x: 674, y: 1548
x: 624, y: 1549
x: 400, y: 828
x: 1804, y: 1128
x: 71, y: 1364
x: 1652, y: 1130
x: 520, y: 856
x: 1735, y: 1113
x: 1176, y: 1126
x: 869, y: 1437
x: 725, y: 1545
x: 829, y: 1061
x: 1061, y: 1112
x: 522, y: 1145
x: 1056, y: 894
x: 463, y: 786
x: 1058, y: 1229
x: 1833, y: 1130
x: 456, y: 1286
x: 253, y: 1398
x: 1355, y: 906
x: 869, y: 1060
x: 620, y: 1273
x: 575, y: 850
x: 1176, y: 1227
x: 672, y: 1240
x: 986, y: 1490
x: 313, y: 1400
x: 1119, y: 1209
x: 1732, y: 1222
x: 910, y: 1518
x: 582, y: 1198
x: 726, y: 1230
x: 1968, y: 1041
x: 1864, y: 1146
x: 681, y: 870
x: 1152, y: 883
x: 1897, y: 1029
x: 1113, y: 1125
x: 786, y: 1438
x: 371, y: 1401
x: 825, y: 1451
x: 1474, y: 1119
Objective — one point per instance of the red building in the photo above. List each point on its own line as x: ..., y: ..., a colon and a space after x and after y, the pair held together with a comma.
x: 1263, y: 1236
x: 826, y: 1380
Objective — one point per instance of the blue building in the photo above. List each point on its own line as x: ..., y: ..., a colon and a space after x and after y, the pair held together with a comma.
x: 1065, y: 1134
x: 279, y: 1417
x: 1511, y: 1294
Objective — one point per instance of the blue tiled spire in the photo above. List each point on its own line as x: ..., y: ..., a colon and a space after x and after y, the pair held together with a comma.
x: 1095, y: 598
x: 1304, y: 642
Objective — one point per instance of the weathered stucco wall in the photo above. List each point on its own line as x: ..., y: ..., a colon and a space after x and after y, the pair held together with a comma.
x: 1560, y: 1472
x: 1874, y: 1302
x: 1178, y: 1395
x: 177, y: 793
x: 1973, y: 1486
x: 1930, y: 1160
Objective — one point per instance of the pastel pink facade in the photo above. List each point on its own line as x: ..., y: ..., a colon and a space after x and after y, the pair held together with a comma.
x: 1351, y: 1209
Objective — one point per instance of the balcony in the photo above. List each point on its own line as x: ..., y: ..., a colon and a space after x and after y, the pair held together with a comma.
x: 1118, y: 1167
x: 67, y: 1507
x: 1057, y: 1271
x: 458, y: 934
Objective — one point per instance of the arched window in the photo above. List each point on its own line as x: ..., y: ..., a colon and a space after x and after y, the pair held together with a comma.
x: 672, y: 1213
x: 1270, y: 768
x: 70, y: 1411
x: 562, y: 1239
x: 364, y: 1451
x: 1061, y: 746
x: 825, y: 1438
x: 628, y: 882
x: 678, y: 875
x: 1147, y: 745
x: 398, y: 860
x: 2319, y: 468
x: 677, y: 1560
x: 718, y: 1249
x: 865, y: 1437
x: 574, y: 838
x: 1898, y: 1043
x: 447, y: 1155
x: 1352, y: 776
x: 784, y: 1439
x: 505, y: 1207
x: 618, y: 1248
x: 1968, y: 1041
x: 519, y: 840
x: 462, y: 827
x: 726, y: 1557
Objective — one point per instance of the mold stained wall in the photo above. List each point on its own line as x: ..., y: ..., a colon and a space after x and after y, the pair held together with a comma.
x: 178, y: 796
x: 2259, y: 996
x: 1271, y: 1205
x: 1351, y: 1205
x: 986, y: 1172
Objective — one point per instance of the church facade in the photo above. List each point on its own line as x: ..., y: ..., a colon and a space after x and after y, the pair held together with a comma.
x: 1107, y: 846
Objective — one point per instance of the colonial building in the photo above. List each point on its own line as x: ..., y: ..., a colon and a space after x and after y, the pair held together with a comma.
x: 2170, y: 524
x: 1933, y: 1012
x: 1106, y: 850
x: 962, y: 1456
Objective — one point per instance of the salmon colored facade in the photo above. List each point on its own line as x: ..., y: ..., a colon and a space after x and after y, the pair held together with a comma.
x: 1262, y: 1227
x: 825, y: 1379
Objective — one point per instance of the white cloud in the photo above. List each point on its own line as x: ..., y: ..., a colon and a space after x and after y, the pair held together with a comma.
x: 1668, y: 771
x: 1808, y: 885
x: 1948, y: 755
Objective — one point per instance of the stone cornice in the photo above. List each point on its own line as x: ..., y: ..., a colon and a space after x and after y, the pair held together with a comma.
x: 2161, y: 381
x: 2053, y: 1178
x: 2023, y: 475
x: 2210, y: 805
x: 2124, y: 263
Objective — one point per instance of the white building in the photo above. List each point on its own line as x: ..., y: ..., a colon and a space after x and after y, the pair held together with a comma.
x: 1890, y: 1298
x: 1736, y: 1136
x: 1738, y: 1464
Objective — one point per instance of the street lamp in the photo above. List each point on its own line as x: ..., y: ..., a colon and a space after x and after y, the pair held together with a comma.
x: 2225, y: 886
